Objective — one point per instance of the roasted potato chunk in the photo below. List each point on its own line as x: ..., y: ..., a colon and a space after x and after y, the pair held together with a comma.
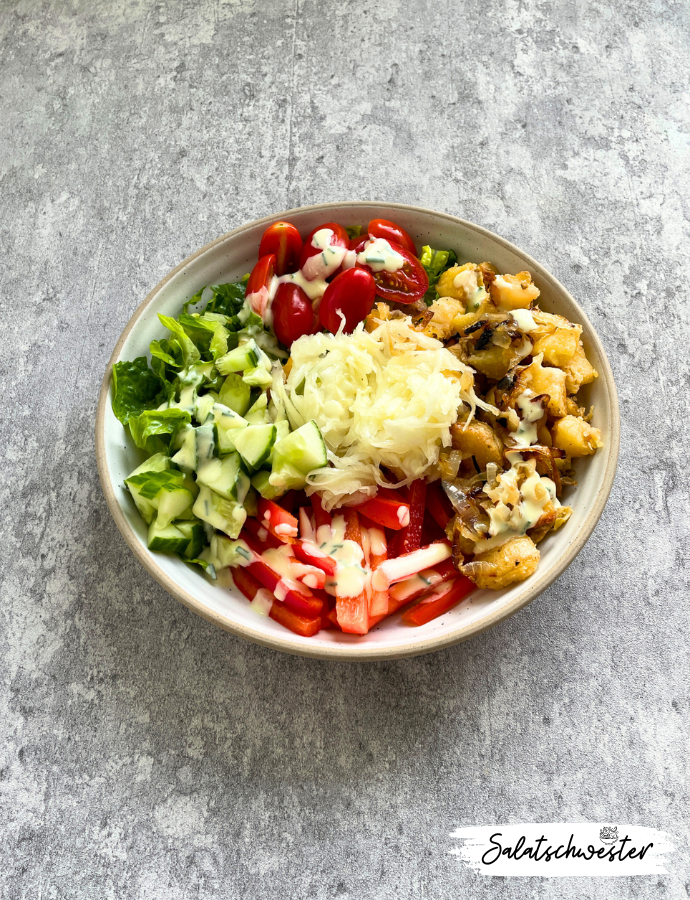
x: 493, y: 362
x: 513, y: 561
x: 578, y: 371
x: 576, y: 437
x: 545, y: 380
x: 559, y: 346
x: 444, y: 311
x: 514, y: 291
x: 469, y: 280
x: 478, y: 440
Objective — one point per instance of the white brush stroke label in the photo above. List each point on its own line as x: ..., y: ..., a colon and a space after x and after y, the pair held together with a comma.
x: 558, y: 849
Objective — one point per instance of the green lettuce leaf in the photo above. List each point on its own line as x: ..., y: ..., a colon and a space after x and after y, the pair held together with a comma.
x: 135, y: 388
x: 435, y: 262
x: 187, y: 348
x: 226, y: 299
x: 150, y: 427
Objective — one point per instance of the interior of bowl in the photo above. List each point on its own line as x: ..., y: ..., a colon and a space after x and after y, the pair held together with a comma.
x: 228, y: 259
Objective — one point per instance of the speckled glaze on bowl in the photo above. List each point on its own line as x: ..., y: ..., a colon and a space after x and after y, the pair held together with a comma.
x: 227, y: 259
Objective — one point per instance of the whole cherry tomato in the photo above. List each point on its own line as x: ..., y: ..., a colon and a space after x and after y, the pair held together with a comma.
x: 293, y: 315
x: 382, y: 228
x: 352, y: 293
x: 406, y: 285
x: 284, y: 240
x: 322, y: 268
x: 259, y: 283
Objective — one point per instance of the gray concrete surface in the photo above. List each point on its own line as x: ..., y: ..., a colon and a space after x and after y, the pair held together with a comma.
x: 146, y: 754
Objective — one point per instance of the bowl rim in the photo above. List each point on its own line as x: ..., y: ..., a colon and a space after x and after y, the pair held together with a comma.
x: 533, y: 587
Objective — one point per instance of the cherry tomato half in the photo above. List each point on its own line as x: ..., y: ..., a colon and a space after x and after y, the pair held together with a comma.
x: 323, y: 268
x: 408, y: 284
x: 285, y: 241
x: 259, y: 282
x: 352, y: 293
x: 382, y: 228
x: 293, y: 315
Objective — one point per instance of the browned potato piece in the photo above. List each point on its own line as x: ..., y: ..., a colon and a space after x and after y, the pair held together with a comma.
x: 513, y: 561
x: 514, y: 291
x: 576, y: 437
x: 545, y: 380
x: 493, y: 362
x: 477, y: 440
x: 551, y: 522
x: 446, y: 287
x: 578, y: 371
x: 444, y: 311
x: 558, y: 347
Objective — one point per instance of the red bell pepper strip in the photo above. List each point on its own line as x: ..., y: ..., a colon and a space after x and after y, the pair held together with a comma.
x: 439, y: 601
x: 333, y: 618
x: 411, y: 535
x: 321, y: 517
x: 306, y: 524
x: 413, y: 587
x: 277, y: 520
x: 438, y: 504
x: 386, y: 512
x: 301, y: 599
x: 378, y: 553
x: 263, y: 535
x: 245, y: 582
x: 311, y: 576
x: 353, y: 531
x: 353, y: 613
x: 303, y: 625
x: 310, y: 555
x: 393, y: 570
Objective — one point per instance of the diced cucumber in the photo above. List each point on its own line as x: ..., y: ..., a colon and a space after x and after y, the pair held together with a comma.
x: 185, y: 457
x: 296, y: 455
x: 166, y: 538
x: 282, y: 430
x: 258, y: 376
x: 261, y: 482
x: 255, y: 443
x: 204, y: 406
x: 221, y: 475
x: 228, y: 424
x: 171, y: 504
x: 258, y: 413
x: 225, y: 515
x: 235, y: 394
x: 251, y: 502
x: 159, y: 462
x: 241, y: 359
x: 205, y: 443
x: 194, y: 532
x: 223, y: 552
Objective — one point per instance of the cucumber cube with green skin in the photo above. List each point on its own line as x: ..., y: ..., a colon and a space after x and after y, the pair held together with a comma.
x: 241, y: 359
x: 194, y: 532
x: 257, y: 377
x: 282, y: 430
x: 185, y: 457
x: 296, y: 455
x: 261, y: 482
x: 258, y: 413
x: 221, y: 475
x: 235, y: 394
x: 171, y: 504
x: 205, y: 443
x: 223, y: 552
x: 255, y: 443
x: 228, y: 425
x: 204, y: 407
x: 227, y: 516
x: 159, y: 462
x: 166, y: 538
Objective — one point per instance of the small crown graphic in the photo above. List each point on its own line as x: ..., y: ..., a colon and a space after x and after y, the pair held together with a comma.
x: 609, y: 834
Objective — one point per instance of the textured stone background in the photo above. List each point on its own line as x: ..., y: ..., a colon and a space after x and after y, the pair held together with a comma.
x: 146, y: 754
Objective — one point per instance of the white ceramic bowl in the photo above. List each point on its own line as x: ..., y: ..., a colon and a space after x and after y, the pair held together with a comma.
x: 227, y: 259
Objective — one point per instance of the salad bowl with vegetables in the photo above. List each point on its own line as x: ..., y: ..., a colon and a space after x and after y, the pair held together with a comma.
x: 357, y: 430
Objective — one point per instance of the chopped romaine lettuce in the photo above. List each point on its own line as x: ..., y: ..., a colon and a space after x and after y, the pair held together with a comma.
x: 435, y: 262
x: 135, y: 388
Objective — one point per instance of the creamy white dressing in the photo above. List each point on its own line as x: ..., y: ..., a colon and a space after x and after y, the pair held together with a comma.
x: 350, y: 259
x: 531, y: 412
x: 379, y: 256
x: 517, y: 508
x: 475, y: 294
x: 262, y: 602
x: 525, y: 320
x: 321, y: 265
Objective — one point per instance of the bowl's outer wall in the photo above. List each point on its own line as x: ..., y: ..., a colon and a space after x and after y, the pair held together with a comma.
x: 231, y: 256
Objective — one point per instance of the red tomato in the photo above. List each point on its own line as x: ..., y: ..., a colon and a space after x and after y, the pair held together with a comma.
x: 356, y: 241
x: 352, y: 293
x: 293, y: 315
x: 259, y: 282
x: 284, y: 240
x: 382, y: 228
x: 404, y: 286
x: 339, y: 238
